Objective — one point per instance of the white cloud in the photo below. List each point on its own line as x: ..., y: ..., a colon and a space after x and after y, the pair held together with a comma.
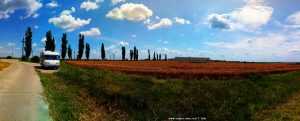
x: 294, y: 18
x: 123, y: 43
x: 164, y: 22
x: 110, y: 47
x: 8, y: 7
x: 34, y: 44
x: 99, y: 1
x: 67, y: 21
x: 68, y: 12
x: 269, y: 45
x: 91, y: 32
x: 44, y: 40
x: 251, y: 16
x: 131, y: 12
x: 89, y: 5
x: 114, y: 2
x: 36, y: 26
x: 182, y: 21
x: 52, y: 4
x: 11, y: 44
x: 1, y: 47
x: 133, y: 36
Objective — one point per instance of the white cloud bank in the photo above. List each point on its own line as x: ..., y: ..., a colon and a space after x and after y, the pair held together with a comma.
x: 91, y: 32
x: 7, y: 7
x: 251, y: 16
x: 182, y: 21
x: 131, y: 12
x: 67, y: 21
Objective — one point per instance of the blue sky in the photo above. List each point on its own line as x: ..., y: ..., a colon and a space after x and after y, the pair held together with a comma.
x: 243, y: 30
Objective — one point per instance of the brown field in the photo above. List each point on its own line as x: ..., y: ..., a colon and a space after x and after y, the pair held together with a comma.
x: 3, y: 65
x: 188, y: 70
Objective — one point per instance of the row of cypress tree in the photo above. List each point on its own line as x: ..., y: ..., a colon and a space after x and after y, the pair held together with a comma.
x: 67, y: 50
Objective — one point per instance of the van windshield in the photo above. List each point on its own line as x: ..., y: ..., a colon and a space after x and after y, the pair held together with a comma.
x: 51, y: 57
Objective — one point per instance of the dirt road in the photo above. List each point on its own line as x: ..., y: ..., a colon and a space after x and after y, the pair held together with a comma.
x: 21, y: 94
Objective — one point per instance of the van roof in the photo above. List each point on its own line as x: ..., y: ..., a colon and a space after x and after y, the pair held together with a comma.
x: 50, y: 53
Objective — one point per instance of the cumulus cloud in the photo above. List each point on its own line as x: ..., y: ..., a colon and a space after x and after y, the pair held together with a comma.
x: 44, y: 40
x: 8, y: 7
x: 68, y: 12
x: 52, y: 4
x: 123, y: 43
x: 251, y: 16
x: 91, y: 32
x: 114, y: 2
x: 36, y: 26
x: 67, y: 21
x: 217, y: 21
x: 89, y: 5
x: 182, y: 21
x: 294, y: 18
x: 131, y: 12
x: 163, y: 23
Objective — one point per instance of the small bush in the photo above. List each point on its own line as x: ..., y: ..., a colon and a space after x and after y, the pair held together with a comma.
x: 24, y: 58
x: 8, y: 57
x: 35, y: 59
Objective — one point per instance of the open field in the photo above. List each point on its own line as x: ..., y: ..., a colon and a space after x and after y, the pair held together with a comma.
x: 119, y: 96
x: 175, y: 69
x: 3, y: 65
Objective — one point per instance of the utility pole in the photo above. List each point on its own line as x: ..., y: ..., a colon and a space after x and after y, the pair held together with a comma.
x: 23, y: 46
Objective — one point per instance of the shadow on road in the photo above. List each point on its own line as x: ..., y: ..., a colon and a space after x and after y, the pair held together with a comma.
x: 45, y: 70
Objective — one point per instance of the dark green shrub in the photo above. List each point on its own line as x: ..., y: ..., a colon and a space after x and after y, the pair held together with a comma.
x: 8, y: 57
x: 24, y: 58
x: 35, y: 59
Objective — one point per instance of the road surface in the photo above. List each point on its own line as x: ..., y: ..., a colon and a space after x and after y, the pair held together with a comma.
x: 21, y: 94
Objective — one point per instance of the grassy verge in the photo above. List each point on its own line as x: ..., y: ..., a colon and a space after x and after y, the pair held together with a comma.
x: 69, y: 102
x: 4, y: 65
x: 133, y: 97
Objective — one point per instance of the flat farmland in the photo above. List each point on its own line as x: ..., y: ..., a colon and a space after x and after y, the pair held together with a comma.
x: 188, y: 70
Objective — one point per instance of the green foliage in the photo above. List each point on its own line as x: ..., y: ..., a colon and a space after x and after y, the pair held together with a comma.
x: 80, y: 46
x: 149, y: 58
x: 50, y: 42
x: 64, y: 43
x: 87, y: 51
x: 24, y: 58
x: 28, y: 42
x: 70, y: 52
x: 35, y: 59
x: 102, y: 52
x: 66, y: 103
x: 123, y: 53
x: 8, y: 57
x: 149, y: 98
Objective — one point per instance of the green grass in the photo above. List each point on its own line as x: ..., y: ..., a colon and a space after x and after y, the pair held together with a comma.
x: 134, y: 97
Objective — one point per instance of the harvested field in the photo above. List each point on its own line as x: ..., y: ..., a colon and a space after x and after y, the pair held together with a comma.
x: 187, y: 70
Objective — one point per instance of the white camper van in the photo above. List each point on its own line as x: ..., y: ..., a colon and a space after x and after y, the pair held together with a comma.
x: 49, y: 59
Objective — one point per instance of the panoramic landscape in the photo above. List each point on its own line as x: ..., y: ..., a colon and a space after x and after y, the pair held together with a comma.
x: 140, y: 60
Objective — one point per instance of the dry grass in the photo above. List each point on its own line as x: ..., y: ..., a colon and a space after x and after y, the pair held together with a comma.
x: 286, y: 111
x: 4, y: 65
